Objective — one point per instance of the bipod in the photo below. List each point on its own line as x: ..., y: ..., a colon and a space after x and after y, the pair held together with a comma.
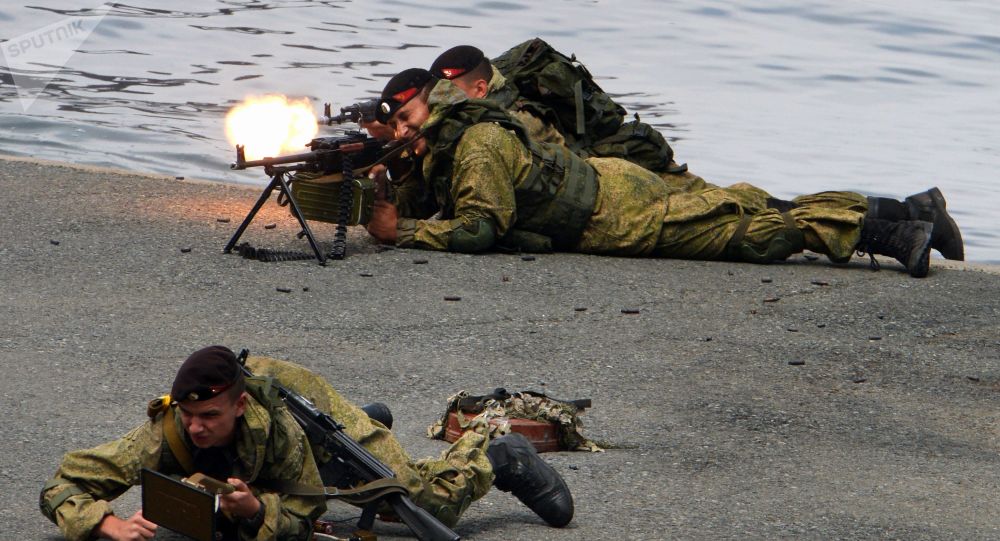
x: 277, y: 181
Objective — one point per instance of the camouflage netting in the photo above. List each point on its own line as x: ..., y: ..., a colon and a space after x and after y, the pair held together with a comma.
x: 494, y: 419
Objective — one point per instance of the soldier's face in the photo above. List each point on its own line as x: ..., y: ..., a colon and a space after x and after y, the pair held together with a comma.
x: 406, y: 122
x: 212, y: 422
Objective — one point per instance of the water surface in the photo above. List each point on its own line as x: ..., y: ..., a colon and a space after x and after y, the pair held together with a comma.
x: 885, y: 98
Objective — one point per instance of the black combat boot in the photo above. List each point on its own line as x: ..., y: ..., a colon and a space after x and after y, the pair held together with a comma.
x: 929, y: 206
x: 781, y: 205
x: 379, y: 412
x: 520, y: 471
x: 884, y: 208
x: 909, y: 242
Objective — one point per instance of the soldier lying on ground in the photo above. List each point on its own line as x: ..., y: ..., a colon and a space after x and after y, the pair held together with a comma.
x: 233, y: 431
x: 495, y: 187
x: 469, y: 69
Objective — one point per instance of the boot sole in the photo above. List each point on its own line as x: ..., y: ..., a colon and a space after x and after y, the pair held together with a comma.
x: 919, y: 263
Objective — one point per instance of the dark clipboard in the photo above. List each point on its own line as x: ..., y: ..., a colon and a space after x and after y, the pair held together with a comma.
x: 178, y: 506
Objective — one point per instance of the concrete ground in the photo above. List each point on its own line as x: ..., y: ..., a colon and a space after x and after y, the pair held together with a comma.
x: 796, y: 400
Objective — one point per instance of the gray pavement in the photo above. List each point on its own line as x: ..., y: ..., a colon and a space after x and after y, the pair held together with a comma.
x: 800, y: 400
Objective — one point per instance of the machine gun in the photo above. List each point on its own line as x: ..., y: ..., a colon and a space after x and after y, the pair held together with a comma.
x: 348, y: 201
x: 352, y: 464
x: 356, y: 112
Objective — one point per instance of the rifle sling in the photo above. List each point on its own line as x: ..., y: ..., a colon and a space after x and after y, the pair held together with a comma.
x: 176, y: 443
x: 474, y: 404
x: 359, y: 495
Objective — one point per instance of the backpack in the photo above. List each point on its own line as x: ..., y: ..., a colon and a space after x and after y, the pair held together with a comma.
x: 560, y: 90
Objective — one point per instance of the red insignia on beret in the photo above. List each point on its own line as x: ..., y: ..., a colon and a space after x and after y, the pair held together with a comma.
x: 406, y: 95
x: 451, y: 73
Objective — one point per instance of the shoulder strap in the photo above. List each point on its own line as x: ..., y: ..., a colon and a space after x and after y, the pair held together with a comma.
x: 176, y: 443
x: 474, y: 404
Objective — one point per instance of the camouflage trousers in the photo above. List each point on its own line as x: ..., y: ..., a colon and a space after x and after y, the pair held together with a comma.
x: 754, y: 199
x: 750, y: 197
x: 714, y: 223
x: 444, y: 486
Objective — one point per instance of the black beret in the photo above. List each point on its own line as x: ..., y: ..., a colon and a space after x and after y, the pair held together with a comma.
x: 456, y: 62
x: 205, y: 374
x: 399, y: 90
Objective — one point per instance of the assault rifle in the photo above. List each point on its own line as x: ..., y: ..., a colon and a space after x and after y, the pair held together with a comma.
x: 356, y: 112
x: 328, y: 155
x: 353, y: 464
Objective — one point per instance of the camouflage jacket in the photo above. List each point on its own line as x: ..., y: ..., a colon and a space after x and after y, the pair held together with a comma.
x: 270, y: 445
x: 490, y: 161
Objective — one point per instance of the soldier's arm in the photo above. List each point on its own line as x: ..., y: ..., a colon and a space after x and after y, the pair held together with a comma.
x: 413, y: 199
x: 487, y: 160
x: 285, y: 516
x: 78, y: 497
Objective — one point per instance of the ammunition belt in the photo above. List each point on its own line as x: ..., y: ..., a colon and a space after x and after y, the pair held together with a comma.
x: 271, y: 256
x: 344, y: 212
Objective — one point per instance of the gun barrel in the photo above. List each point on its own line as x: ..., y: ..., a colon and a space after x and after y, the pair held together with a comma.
x: 291, y: 158
x: 341, y: 118
x: 422, y: 523
x: 356, y: 112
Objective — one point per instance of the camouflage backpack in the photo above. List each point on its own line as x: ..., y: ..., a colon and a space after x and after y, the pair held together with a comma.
x: 491, y: 416
x: 560, y: 90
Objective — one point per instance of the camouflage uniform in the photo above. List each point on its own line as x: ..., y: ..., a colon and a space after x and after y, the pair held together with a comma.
x: 269, y: 443
x: 443, y: 486
x: 635, y: 213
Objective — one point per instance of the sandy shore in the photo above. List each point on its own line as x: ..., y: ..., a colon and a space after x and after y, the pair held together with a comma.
x: 797, y: 400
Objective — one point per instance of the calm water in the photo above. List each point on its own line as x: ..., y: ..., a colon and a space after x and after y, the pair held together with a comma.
x: 796, y: 96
